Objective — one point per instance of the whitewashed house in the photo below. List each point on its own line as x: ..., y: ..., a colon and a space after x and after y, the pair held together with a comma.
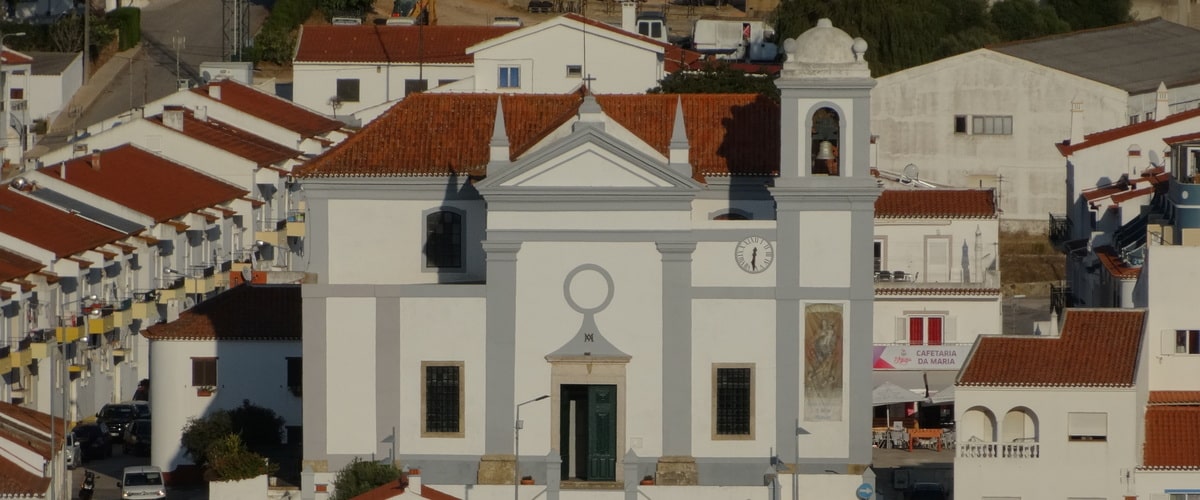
x: 54, y: 78
x: 15, y: 69
x: 984, y: 118
x: 243, y: 345
x: 937, y: 286
x: 32, y: 458
x: 678, y: 276
x: 341, y: 70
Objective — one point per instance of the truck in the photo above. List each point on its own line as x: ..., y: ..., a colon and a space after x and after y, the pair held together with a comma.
x: 735, y: 39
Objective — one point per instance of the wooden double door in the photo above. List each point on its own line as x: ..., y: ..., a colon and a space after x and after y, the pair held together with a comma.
x: 588, y: 428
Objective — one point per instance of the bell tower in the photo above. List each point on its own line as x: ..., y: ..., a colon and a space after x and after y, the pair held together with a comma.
x: 825, y: 206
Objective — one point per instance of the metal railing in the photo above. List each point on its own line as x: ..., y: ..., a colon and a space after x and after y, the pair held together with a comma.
x: 1059, y: 230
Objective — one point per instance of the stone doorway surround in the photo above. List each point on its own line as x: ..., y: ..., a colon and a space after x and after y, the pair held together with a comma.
x: 588, y: 370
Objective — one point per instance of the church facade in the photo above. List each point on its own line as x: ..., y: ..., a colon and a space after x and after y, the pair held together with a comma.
x: 687, y: 280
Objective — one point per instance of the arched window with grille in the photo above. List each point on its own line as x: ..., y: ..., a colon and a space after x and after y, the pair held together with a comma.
x: 444, y: 239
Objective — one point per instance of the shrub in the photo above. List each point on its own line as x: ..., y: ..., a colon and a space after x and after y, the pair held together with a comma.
x: 360, y: 476
x: 200, y: 433
x: 127, y: 22
x: 230, y: 460
x: 257, y: 425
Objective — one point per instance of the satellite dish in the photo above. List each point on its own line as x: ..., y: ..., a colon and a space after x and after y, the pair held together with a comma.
x: 1155, y: 161
x: 911, y: 172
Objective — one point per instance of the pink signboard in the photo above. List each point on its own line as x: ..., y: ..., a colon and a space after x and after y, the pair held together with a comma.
x: 920, y: 357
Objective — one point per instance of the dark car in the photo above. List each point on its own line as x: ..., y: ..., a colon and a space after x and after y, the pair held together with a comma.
x: 137, y: 438
x: 94, y: 441
x: 117, y: 415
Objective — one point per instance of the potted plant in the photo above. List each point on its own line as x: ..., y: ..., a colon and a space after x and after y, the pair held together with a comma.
x: 205, y: 391
x: 648, y: 480
x: 527, y: 480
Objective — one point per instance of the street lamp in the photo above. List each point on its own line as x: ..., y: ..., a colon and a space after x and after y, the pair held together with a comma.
x: 517, y: 446
x: 4, y: 86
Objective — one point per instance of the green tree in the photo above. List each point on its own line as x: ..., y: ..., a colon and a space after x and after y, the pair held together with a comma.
x: 200, y: 433
x: 334, y: 7
x: 360, y: 476
x: 1088, y: 14
x: 230, y: 460
x: 259, y: 428
x: 1023, y: 19
x: 716, y: 77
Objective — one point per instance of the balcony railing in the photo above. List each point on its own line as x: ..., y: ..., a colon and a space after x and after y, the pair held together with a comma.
x: 1060, y: 230
x: 980, y: 449
x: 1061, y: 298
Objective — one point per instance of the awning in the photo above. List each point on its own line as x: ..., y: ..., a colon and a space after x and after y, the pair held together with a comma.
x: 915, y: 380
x: 888, y: 393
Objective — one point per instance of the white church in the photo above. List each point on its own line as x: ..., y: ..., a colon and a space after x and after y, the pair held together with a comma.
x: 670, y: 286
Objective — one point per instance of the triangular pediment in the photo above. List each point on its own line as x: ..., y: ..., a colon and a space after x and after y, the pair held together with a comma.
x: 589, y: 158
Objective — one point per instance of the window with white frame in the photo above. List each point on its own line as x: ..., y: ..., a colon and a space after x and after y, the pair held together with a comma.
x: 1187, y: 341
x: 510, y: 77
x: 574, y: 71
x: 880, y: 253
x: 1087, y: 426
x: 926, y: 330
x: 991, y: 125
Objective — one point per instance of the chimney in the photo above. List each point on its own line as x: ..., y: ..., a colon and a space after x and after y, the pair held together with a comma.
x: 414, y: 481
x: 201, y: 113
x: 1161, y: 103
x: 629, y: 16
x: 214, y: 91
x: 173, y: 117
x: 95, y: 160
x: 1076, y: 122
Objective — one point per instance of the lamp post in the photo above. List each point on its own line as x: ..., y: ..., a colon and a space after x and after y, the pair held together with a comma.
x: 517, y: 446
x: 4, y: 86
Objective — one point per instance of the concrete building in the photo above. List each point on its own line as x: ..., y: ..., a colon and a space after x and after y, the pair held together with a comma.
x: 628, y: 260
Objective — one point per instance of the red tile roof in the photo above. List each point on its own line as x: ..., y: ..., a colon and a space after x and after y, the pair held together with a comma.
x: 1177, y: 139
x: 1174, y: 398
x: 27, y: 418
x: 246, y: 312
x: 10, y: 56
x: 394, y: 44
x: 145, y: 182
x: 1114, y: 265
x: 16, y: 266
x: 936, y: 203
x: 674, y: 57
x: 57, y: 231
x: 16, y: 482
x: 270, y: 108
x: 437, y: 134
x: 391, y: 489
x: 1106, y: 136
x: 1154, y: 180
x: 257, y: 149
x: 1171, y: 438
x: 1097, y: 348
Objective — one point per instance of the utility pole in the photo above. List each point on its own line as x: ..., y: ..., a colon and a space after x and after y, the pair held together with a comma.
x: 177, y: 41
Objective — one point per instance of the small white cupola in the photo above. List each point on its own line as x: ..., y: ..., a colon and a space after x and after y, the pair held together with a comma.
x: 498, y: 148
x: 679, y: 147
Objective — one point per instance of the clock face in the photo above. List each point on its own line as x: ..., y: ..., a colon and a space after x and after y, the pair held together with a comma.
x: 754, y: 254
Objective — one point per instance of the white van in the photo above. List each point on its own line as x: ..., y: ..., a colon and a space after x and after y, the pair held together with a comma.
x: 142, y: 481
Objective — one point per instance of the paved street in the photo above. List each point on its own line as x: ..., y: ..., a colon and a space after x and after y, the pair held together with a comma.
x: 108, y: 472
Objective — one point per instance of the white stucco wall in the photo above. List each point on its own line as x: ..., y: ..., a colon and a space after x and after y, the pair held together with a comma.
x: 913, y: 113
x: 47, y: 94
x: 967, y: 317
x: 351, y: 376
x: 316, y: 83
x: 1064, y: 469
x: 1171, y: 274
x: 619, y: 63
x: 253, y: 370
x: 1154, y: 484
x: 905, y: 247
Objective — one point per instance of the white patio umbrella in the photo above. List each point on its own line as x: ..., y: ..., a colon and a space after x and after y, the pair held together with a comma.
x: 943, y: 397
x: 889, y: 394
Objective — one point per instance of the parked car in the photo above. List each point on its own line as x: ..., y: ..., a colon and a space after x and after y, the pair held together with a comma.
x: 137, y: 437
x: 117, y: 415
x: 142, y: 481
x: 74, y: 452
x: 93, y: 440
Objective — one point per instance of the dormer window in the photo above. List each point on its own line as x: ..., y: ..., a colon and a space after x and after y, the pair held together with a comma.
x: 826, y: 134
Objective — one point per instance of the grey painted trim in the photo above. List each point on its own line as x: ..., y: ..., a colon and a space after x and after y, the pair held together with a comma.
x: 433, y: 187
x: 824, y: 87
x: 587, y: 200
x: 770, y: 293
x: 500, y: 346
x: 862, y: 316
x: 318, y: 248
x: 677, y: 360
x: 430, y: 290
x: 387, y: 372
x: 862, y: 138
x: 682, y: 236
x: 314, y: 378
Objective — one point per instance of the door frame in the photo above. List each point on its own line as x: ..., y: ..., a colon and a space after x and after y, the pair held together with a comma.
x: 588, y: 371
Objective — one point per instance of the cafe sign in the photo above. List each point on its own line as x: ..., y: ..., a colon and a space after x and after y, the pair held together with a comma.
x: 920, y: 357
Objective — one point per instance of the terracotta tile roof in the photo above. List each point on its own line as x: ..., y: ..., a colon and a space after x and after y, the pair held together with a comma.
x: 57, y: 231
x: 145, y: 182
x: 1171, y: 438
x: 1178, y: 139
x: 246, y: 312
x: 1097, y: 348
x: 675, y: 58
x: 1114, y: 265
x: 394, y: 44
x: 28, y: 418
x: 1174, y: 398
x: 223, y: 136
x: 10, y: 56
x: 16, y: 482
x: 16, y: 266
x: 437, y: 134
x: 924, y: 290
x: 270, y: 108
x: 1153, y: 180
x: 936, y: 203
x: 1106, y: 136
x: 391, y: 489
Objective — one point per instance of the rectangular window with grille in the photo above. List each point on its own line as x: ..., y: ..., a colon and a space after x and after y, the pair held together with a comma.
x: 733, y: 405
x: 443, y: 399
x: 204, y: 372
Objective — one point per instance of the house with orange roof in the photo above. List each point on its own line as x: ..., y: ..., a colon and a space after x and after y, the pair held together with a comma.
x: 984, y: 118
x: 670, y: 286
x: 243, y: 344
x: 32, y: 455
x: 15, y: 139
